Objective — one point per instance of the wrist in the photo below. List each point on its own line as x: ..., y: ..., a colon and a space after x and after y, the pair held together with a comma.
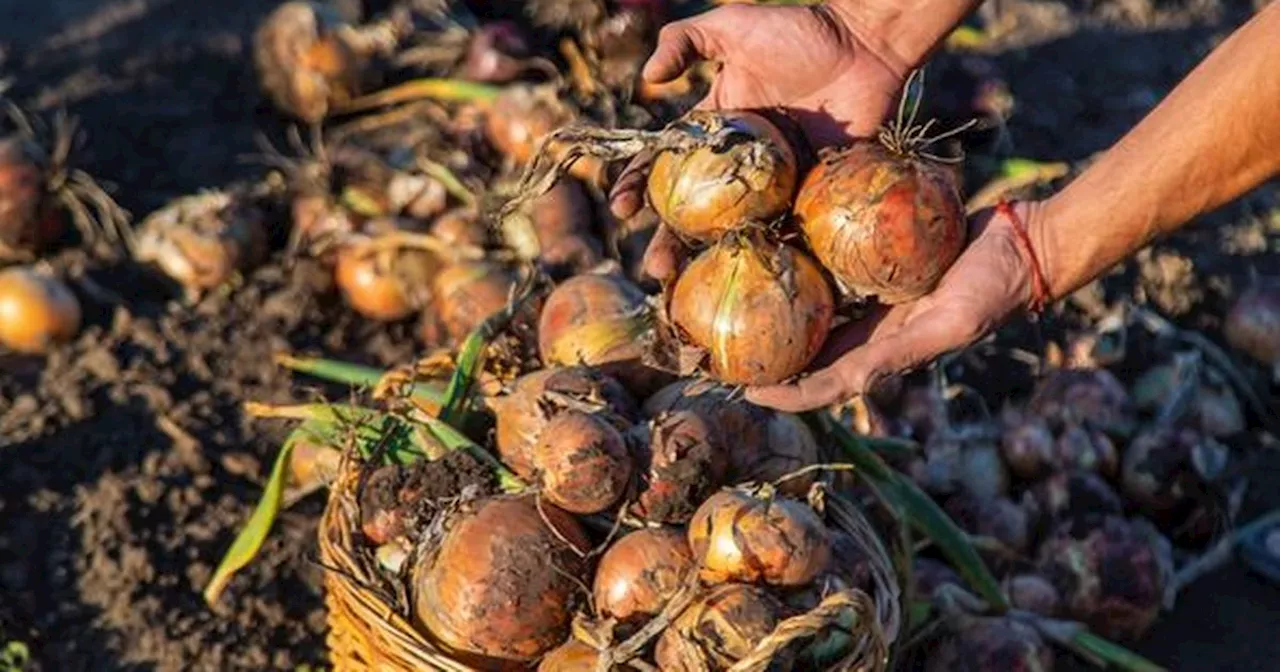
x: 1038, y: 216
x: 902, y: 33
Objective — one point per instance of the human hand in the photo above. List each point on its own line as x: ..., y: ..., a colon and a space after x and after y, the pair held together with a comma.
x: 991, y: 279
x: 818, y: 64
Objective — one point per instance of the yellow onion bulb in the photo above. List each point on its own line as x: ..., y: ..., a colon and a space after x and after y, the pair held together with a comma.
x: 582, y: 462
x: 736, y: 536
x: 641, y: 572
x: 466, y: 293
x: 720, y: 629
x: 885, y: 224
x: 386, y: 285
x: 760, y: 313
x: 496, y: 554
x: 37, y: 311
x: 591, y: 319
x: 705, y: 192
x: 572, y: 656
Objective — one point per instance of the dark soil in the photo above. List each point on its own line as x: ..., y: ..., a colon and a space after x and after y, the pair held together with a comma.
x: 127, y: 464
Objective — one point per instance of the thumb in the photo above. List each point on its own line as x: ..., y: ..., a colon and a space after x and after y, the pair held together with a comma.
x: 680, y: 44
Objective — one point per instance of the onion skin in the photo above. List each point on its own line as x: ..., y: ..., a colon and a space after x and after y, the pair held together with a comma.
x: 572, y: 656
x: 37, y: 311
x: 766, y: 444
x: 522, y: 414
x: 591, y: 319
x: 705, y: 193
x: 687, y: 462
x: 1252, y: 325
x: 376, y: 292
x: 719, y: 630
x: 491, y: 589
x: 466, y: 293
x: 760, y: 314
x: 641, y: 572
x: 583, y: 462
x: 738, y: 537
x: 883, y: 224
x: 986, y: 644
x: 460, y: 227
x: 1108, y: 573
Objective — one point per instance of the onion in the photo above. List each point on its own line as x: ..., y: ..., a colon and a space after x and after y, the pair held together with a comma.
x: 306, y: 61
x: 1093, y: 397
x: 1071, y: 495
x: 1252, y: 325
x: 37, y: 311
x: 1171, y: 476
x: 736, y: 536
x: 766, y: 444
x: 564, y: 211
x: 1034, y: 593
x: 886, y: 223
x: 719, y: 630
x: 523, y: 414
x: 704, y: 192
x: 924, y: 409
x: 497, y: 553
x: 981, y: 471
x: 582, y: 462
x: 761, y: 314
x: 996, y: 517
x: 494, y: 53
x: 415, y: 195
x: 384, y: 284
x: 202, y: 241
x: 641, y: 572
x: 1081, y: 448
x: 591, y: 319
x: 572, y: 656
x: 522, y: 115
x: 466, y: 293
x: 1111, y: 575
x: 1028, y: 448
x: 27, y: 222
x: 460, y: 227
x: 687, y: 462
x: 991, y: 644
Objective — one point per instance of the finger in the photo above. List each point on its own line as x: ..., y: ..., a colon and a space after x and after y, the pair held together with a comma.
x: 627, y: 195
x: 664, y: 255
x: 821, y: 389
x: 679, y: 45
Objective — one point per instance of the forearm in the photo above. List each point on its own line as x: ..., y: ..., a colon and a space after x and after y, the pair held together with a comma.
x: 1216, y: 136
x: 904, y: 31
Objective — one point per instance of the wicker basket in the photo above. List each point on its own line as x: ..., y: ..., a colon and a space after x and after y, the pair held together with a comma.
x: 366, y: 632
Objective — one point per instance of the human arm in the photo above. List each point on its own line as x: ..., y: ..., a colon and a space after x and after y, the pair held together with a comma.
x: 1216, y: 136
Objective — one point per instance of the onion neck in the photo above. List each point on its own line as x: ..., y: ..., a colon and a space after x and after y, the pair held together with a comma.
x: 902, y: 33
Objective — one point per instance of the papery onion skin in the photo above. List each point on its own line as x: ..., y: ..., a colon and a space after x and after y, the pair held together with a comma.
x: 641, y: 572
x: 738, y: 537
x: 761, y: 313
x: 498, y: 553
x: 591, y: 319
x: 884, y: 224
x: 583, y: 462
x: 37, y: 311
x: 705, y: 193
x: 721, y: 628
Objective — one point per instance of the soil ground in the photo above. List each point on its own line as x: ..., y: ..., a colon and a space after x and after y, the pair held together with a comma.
x: 126, y: 463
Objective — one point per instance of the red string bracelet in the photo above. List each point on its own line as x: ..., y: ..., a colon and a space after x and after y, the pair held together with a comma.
x: 1039, y: 286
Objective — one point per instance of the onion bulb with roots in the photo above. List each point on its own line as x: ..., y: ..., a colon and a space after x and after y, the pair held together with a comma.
x: 737, y: 536
x: 884, y: 216
x: 641, y: 572
x: 37, y: 311
x: 572, y: 656
x: 981, y: 643
x: 1093, y: 397
x: 720, y: 629
x: 1034, y: 593
x: 688, y: 461
x: 497, y: 553
x: 466, y: 293
x: 308, y: 60
x: 1070, y: 495
x: 582, y: 462
x: 1111, y: 574
x: 203, y: 241
x: 763, y: 444
x: 759, y: 313
x: 1252, y: 325
x: 535, y: 398
x: 386, y: 284
x: 705, y: 192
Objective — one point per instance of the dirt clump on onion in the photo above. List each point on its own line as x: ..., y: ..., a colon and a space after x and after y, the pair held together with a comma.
x: 751, y: 312
x: 1110, y: 572
x: 687, y: 461
x: 720, y: 629
x: 704, y: 192
x: 738, y: 536
x: 495, y: 553
x: 37, y: 310
x: 641, y: 572
x: 767, y: 444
